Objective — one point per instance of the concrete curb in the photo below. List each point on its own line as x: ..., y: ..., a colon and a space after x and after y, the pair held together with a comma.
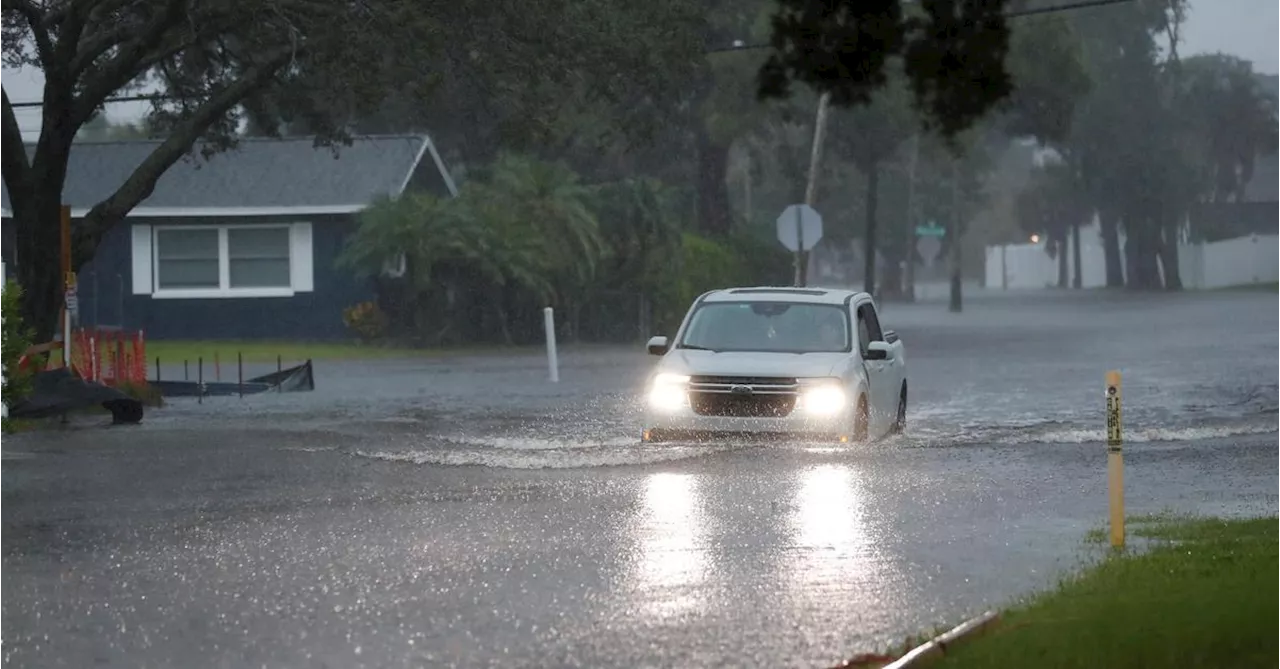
x: 937, y: 646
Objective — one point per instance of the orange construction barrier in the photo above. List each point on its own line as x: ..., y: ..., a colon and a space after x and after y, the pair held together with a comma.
x: 110, y: 357
x: 118, y: 356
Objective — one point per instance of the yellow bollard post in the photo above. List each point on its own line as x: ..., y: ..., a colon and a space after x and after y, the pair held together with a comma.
x: 1115, y: 460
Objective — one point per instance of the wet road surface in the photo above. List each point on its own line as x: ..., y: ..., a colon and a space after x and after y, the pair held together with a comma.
x: 463, y: 512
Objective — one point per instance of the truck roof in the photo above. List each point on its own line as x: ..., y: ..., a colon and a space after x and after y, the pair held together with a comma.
x: 784, y: 294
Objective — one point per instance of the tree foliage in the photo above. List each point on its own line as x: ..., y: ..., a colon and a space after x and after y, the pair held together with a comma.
x: 953, y: 53
x: 1235, y: 119
x: 528, y: 231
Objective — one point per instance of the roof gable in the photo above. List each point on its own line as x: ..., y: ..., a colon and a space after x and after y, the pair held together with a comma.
x: 259, y: 174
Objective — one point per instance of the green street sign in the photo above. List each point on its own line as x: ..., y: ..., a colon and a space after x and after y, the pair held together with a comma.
x: 930, y: 231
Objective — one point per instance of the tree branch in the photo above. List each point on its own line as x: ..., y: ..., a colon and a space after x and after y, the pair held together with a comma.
x: 124, y: 67
x: 39, y: 31
x: 13, y: 154
x: 142, y: 182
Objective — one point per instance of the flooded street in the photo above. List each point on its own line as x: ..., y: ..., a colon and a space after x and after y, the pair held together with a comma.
x: 463, y: 511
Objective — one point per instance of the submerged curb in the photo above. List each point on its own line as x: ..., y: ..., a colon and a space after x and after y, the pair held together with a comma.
x: 929, y: 650
x: 937, y: 646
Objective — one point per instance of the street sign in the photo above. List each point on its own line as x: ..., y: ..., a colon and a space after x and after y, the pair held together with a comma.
x: 931, y: 230
x: 809, y: 222
x: 928, y: 248
x: 73, y: 301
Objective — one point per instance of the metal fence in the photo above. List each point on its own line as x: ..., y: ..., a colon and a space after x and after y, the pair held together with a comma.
x: 612, y: 317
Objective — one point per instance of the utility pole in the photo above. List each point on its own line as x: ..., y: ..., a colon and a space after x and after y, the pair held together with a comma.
x: 811, y: 189
x: 954, y: 232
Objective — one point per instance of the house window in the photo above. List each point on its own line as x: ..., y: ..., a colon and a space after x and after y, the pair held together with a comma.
x: 187, y: 259
x: 242, y: 260
x: 258, y: 257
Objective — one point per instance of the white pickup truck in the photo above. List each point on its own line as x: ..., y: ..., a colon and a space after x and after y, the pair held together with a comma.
x: 809, y: 362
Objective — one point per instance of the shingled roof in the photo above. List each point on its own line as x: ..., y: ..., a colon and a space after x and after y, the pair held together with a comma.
x: 260, y: 175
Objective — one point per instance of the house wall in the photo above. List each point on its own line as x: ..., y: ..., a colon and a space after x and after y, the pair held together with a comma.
x: 107, y: 295
x: 1241, y: 261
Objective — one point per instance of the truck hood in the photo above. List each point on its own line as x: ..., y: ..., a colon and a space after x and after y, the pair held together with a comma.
x: 684, y: 361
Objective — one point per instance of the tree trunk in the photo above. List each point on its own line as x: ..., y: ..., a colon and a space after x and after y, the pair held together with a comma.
x: 713, y: 192
x: 891, y: 286
x: 1169, y: 258
x: 1111, y: 248
x: 37, y: 223
x: 1132, y: 278
x: 956, y: 304
x: 1141, y: 247
x: 1077, y: 282
x: 869, y: 232
x: 35, y: 196
x: 1064, y: 275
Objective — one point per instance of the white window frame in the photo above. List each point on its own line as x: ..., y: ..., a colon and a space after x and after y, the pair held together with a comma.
x: 300, y: 262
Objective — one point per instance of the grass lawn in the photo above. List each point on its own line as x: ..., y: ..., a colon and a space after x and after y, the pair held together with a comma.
x: 175, y: 351
x: 1271, y: 287
x: 1204, y: 595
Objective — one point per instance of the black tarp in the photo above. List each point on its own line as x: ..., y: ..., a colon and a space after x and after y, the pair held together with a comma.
x: 299, y: 378
x: 58, y: 391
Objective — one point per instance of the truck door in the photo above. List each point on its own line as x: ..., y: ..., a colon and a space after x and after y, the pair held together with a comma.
x: 883, y: 392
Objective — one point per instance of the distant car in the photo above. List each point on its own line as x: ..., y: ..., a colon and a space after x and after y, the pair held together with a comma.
x: 806, y: 362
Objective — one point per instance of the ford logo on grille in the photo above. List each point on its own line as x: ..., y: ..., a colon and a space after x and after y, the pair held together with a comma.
x: 740, y: 390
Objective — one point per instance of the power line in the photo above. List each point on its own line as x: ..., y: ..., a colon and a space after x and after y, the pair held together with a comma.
x: 1083, y: 4
x: 127, y: 98
x: 1052, y: 9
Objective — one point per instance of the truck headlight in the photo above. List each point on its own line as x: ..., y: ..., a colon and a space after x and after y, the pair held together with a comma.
x: 669, y: 391
x: 824, y: 400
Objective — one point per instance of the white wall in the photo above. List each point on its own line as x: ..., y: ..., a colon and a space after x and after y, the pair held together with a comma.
x: 1232, y: 262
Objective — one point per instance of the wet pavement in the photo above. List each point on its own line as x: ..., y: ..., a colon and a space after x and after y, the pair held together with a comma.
x: 464, y: 512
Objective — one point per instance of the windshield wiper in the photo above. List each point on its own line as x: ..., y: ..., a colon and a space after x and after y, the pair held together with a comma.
x: 694, y: 347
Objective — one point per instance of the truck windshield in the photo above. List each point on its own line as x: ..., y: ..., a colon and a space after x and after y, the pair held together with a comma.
x: 781, y: 327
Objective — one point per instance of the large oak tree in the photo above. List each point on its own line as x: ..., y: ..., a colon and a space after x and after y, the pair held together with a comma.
x: 203, y: 57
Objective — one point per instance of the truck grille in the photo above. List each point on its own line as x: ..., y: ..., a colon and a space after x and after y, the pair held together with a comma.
x: 743, y: 396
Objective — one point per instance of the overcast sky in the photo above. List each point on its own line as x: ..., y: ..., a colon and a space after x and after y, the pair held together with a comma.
x: 1244, y: 28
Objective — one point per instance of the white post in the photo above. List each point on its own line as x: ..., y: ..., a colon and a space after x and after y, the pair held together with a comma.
x: 549, y: 324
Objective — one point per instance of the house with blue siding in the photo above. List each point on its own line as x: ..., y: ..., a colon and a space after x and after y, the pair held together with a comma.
x: 242, y: 245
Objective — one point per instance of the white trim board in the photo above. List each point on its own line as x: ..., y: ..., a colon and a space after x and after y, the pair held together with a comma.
x: 444, y: 173
x: 216, y: 212
x: 413, y: 169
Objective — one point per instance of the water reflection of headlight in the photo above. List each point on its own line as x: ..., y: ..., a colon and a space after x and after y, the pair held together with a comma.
x: 824, y: 400
x: 669, y: 392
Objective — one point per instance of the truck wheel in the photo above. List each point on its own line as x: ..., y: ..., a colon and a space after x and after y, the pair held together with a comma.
x: 862, y: 428
x: 900, y: 422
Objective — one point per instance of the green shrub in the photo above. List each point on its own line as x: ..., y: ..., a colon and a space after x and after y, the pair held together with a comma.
x: 366, y: 320
x: 17, y: 339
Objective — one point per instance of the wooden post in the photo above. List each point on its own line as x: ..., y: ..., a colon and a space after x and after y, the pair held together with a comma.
x: 68, y: 281
x: 1115, y: 460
